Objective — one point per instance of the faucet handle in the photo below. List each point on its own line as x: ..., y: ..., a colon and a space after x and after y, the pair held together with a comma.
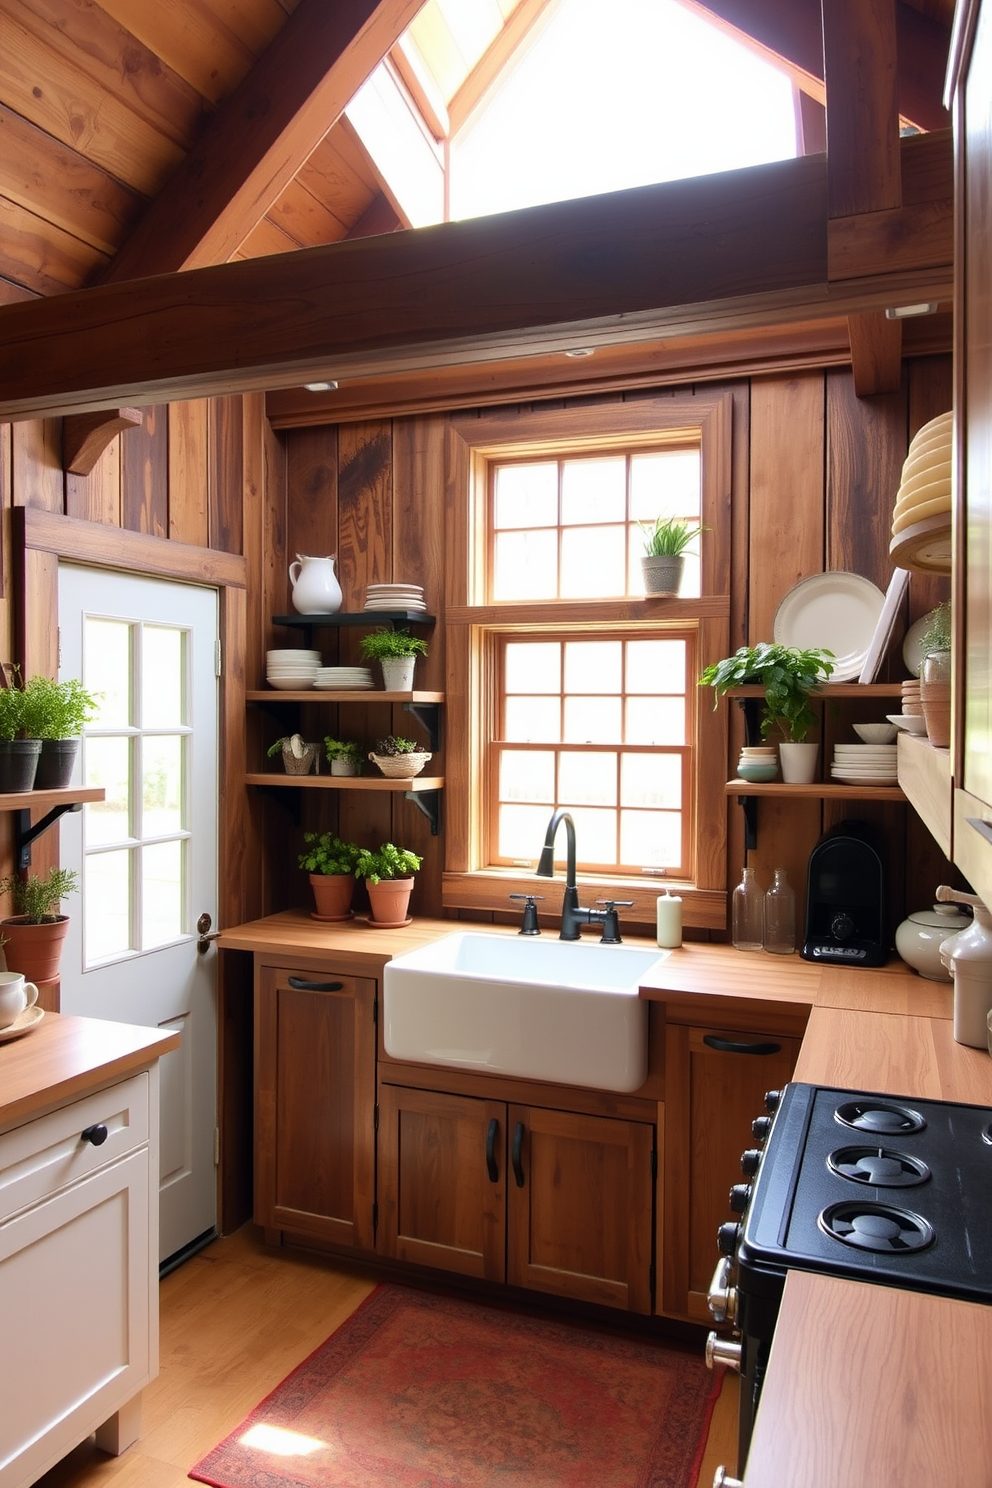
x: 530, y: 925
x: 611, y: 920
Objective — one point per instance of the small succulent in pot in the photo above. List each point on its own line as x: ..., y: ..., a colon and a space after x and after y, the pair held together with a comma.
x: 398, y: 758
x: 345, y: 756
x: 393, y: 744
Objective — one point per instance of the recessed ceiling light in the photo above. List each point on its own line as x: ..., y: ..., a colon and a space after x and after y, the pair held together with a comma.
x: 580, y: 351
x: 906, y: 312
x: 320, y: 387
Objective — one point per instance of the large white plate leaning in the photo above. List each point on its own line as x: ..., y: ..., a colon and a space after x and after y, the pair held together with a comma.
x: 835, y: 611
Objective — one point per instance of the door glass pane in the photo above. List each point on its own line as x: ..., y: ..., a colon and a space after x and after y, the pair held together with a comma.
x: 107, y: 905
x: 162, y: 894
x: 162, y: 690
x: 108, y: 764
x: 162, y: 785
x: 107, y: 670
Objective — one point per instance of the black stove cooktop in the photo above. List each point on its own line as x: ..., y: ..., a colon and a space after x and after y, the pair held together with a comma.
x: 877, y: 1187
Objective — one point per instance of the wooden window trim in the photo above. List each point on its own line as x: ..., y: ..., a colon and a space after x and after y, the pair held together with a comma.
x: 471, y: 443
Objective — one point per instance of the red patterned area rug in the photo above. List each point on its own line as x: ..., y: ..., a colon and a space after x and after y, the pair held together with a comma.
x: 420, y: 1391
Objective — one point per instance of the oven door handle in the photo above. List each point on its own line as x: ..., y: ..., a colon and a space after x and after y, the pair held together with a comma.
x: 731, y: 1046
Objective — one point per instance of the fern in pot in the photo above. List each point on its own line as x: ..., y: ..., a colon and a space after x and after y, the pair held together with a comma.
x: 18, y: 754
x: 33, y: 935
x: 665, y: 546
x: 56, y: 713
x: 396, y: 651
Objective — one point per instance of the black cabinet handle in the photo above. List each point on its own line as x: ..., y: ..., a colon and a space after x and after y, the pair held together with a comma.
x: 96, y: 1134
x: 492, y: 1131
x: 299, y: 984
x: 518, y: 1142
x: 729, y: 1046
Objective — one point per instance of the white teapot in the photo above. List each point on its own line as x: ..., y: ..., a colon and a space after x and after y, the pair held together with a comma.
x: 316, y: 590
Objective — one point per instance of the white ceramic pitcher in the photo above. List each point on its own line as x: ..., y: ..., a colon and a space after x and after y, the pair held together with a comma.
x: 316, y: 590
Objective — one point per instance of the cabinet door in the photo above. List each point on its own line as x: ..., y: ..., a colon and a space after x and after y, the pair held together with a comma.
x: 579, y: 1206
x: 315, y: 1104
x: 442, y: 1180
x: 715, y: 1082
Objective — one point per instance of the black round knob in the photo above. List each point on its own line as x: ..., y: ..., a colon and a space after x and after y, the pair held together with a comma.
x: 739, y: 1195
x: 96, y: 1134
x: 773, y: 1099
x: 727, y: 1237
x: 841, y: 926
x: 750, y: 1161
x: 760, y: 1127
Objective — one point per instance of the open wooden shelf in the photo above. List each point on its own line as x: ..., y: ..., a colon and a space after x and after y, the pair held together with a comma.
x: 818, y: 790
x: 341, y: 695
x: 848, y: 690
x: 44, y: 800
x: 348, y: 782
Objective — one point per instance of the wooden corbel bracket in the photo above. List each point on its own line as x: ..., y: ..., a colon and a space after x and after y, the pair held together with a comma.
x: 85, y: 436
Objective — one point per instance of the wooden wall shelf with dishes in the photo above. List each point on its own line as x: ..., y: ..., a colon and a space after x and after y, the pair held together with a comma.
x: 826, y: 790
x: 423, y: 790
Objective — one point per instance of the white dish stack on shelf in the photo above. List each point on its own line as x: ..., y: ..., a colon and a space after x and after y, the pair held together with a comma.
x: 395, y: 597
x: 865, y: 764
x: 291, y: 670
x: 347, y: 679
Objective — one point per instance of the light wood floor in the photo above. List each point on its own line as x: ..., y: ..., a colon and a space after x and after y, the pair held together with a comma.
x: 235, y: 1319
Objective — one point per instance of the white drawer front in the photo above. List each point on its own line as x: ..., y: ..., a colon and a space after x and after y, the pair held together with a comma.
x: 49, y: 1153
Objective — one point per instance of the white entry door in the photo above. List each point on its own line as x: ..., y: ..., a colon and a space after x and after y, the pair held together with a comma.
x: 147, y: 855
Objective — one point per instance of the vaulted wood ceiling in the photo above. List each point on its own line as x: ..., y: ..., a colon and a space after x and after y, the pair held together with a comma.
x: 145, y: 136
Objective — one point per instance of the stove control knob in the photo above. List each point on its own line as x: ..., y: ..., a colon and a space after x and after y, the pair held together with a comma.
x: 721, y: 1299
x: 722, y: 1479
x: 773, y: 1099
x: 842, y: 926
x: 760, y: 1127
x: 739, y: 1195
x: 727, y: 1237
x: 751, y: 1161
x: 722, y: 1351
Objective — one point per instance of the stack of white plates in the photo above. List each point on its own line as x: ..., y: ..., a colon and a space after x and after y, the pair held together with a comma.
x: 350, y: 679
x: 291, y: 670
x: 865, y: 764
x: 395, y: 597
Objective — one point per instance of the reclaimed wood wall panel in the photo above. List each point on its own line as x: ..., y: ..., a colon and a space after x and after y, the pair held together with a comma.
x: 37, y: 464
x: 866, y: 447
x: 189, y: 498
x: 312, y: 508
x: 145, y: 474
x: 225, y: 466
x: 365, y: 497
x: 97, y: 497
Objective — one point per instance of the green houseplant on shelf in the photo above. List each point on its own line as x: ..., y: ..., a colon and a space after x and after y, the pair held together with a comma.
x: 665, y: 546
x: 935, y: 676
x: 56, y: 713
x: 398, y: 758
x: 388, y: 873
x: 18, y: 755
x: 789, y: 676
x: 331, y: 864
x: 33, y: 935
x: 345, y: 756
x: 396, y: 651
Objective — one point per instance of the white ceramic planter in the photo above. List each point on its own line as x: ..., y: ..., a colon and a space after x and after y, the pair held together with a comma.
x: 662, y: 573
x: 343, y: 767
x: 397, y: 673
x: 798, y: 763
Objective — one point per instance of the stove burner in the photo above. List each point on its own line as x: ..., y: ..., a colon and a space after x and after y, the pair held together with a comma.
x: 876, y: 1227
x: 878, y: 1166
x: 879, y: 1116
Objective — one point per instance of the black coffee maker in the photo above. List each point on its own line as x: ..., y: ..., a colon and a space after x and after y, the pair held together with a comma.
x: 845, y: 899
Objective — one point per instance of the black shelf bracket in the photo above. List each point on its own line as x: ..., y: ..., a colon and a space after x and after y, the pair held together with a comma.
x: 428, y: 715
x: 25, y: 833
x: 751, y: 708
x: 750, y: 806
x: 429, y: 802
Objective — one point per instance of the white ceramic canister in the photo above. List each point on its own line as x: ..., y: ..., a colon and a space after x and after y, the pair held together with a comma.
x: 969, y: 959
x: 922, y: 934
x: 316, y: 590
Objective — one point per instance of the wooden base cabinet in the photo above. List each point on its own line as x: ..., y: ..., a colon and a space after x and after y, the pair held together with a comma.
x: 715, y: 1084
x: 315, y: 1051
x: 551, y: 1200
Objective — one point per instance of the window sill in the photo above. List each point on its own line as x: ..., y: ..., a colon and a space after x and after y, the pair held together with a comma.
x: 489, y: 890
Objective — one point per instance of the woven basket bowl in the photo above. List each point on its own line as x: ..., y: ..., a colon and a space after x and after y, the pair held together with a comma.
x: 400, y: 766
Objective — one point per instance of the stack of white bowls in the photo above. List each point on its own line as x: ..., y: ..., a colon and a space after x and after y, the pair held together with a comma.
x: 758, y: 763
x: 348, y: 679
x: 864, y: 764
x: 395, y: 597
x: 291, y: 670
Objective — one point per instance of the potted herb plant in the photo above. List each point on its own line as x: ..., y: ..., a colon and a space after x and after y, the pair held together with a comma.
x: 788, y: 676
x: 18, y: 755
x: 398, y: 758
x: 33, y: 935
x: 935, y: 676
x: 55, y: 713
x: 298, y: 757
x: 665, y: 547
x: 331, y: 864
x: 388, y: 873
x: 345, y: 756
x: 396, y: 651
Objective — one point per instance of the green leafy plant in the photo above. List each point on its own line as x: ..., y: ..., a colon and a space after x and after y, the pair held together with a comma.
x: 669, y: 537
x: 56, y: 710
x: 788, y: 676
x: 344, y: 750
x: 392, y: 744
x: 937, y: 636
x: 11, y: 713
x: 380, y: 644
x: 286, y: 743
x: 329, y: 854
x: 387, y: 861
x: 38, y: 899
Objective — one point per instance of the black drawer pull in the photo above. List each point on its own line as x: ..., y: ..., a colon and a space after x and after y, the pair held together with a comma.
x: 518, y: 1142
x: 299, y: 984
x: 729, y: 1046
x: 492, y: 1132
x: 96, y: 1134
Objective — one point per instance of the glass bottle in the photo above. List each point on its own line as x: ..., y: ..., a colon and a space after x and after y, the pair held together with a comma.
x: 748, y: 908
x: 780, y: 916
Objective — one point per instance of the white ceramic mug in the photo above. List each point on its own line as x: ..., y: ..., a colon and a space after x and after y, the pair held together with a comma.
x: 15, y: 995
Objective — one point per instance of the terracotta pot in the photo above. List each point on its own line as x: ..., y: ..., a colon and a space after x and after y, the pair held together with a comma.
x: 34, y: 950
x: 332, y: 895
x: 935, y: 697
x: 390, y: 900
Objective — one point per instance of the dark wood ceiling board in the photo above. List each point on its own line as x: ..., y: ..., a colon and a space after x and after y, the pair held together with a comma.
x: 96, y: 43
x: 378, y: 217
x: 863, y: 152
x: 347, y: 142
x: 331, y: 176
x: 257, y: 142
x: 69, y: 105
x: 14, y: 294
x: 48, y: 178
x: 266, y: 239
x: 302, y: 217
x: 190, y: 39
x: 40, y: 256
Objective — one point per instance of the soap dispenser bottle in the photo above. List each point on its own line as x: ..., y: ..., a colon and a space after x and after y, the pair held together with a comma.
x: 968, y: 957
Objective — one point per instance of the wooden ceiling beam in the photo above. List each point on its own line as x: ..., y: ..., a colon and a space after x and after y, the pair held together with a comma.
x: 262, y: 135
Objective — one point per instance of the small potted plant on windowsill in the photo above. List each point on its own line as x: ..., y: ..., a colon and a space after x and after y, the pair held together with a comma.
x: 33, y: 935
x: 396, y: 651
x: 665, y: 547
x: 398, y: 758
x: 55, y: 713
x: 345, y: 756
x: 298, y: 757
x: 789, y: 676
x: 331, y: 864
x: 388, y: 874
